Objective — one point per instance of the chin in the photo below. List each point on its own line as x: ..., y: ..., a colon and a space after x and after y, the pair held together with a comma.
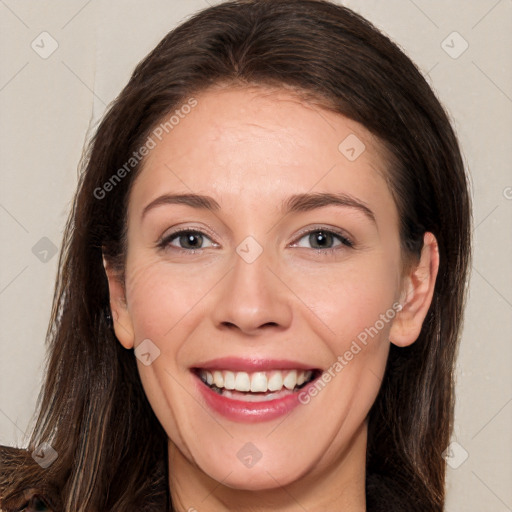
x: 264, y: 475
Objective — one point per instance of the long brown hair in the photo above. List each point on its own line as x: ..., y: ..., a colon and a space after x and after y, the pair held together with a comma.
x: 92, y: 409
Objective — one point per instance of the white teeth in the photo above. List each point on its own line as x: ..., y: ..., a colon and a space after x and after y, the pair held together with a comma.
x: 218, y: 379
x: 275, y: 383
x: 290, y: 380
x: 229, y: 380
x: 257, y: 382
x: 242, y: 381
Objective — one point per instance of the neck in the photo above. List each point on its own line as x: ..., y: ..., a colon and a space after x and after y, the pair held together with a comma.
x: 339, y: 485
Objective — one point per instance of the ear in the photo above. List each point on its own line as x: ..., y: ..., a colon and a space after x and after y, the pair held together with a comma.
x: 417, y: 294
x: 120, y: 315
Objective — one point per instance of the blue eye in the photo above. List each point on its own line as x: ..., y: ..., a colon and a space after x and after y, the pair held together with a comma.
x: 323, y: 239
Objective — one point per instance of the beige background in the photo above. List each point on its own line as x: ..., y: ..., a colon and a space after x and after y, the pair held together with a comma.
x: 50, y: 105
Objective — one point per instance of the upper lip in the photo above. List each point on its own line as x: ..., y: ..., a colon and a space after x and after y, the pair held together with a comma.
x: 252, y: 364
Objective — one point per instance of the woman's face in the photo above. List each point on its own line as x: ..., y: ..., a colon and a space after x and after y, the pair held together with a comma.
x: 261, y: 287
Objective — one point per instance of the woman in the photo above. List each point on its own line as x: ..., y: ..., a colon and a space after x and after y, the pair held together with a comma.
x: 262, y: 281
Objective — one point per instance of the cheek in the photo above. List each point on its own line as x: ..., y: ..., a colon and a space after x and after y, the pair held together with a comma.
x: 347, y: 297
x: 160, y: 295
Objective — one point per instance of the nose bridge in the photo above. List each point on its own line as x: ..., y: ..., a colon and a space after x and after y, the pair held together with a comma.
x: 251, y: 272
x: 252, y: 296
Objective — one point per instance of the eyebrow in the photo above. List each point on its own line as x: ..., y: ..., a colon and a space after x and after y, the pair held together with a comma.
x: 194, y: 200
x: 311, y: 201
x: 295, y: 203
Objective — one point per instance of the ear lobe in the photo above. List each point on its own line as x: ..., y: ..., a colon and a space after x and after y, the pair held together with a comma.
x: 121, y: 319
x: 417, y: 295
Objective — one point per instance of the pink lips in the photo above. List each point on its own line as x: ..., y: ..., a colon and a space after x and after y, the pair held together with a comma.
x: 238, y: 364
x: 249, y: 412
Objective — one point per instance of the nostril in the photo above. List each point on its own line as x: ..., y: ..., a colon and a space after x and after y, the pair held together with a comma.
x: 231, y: 325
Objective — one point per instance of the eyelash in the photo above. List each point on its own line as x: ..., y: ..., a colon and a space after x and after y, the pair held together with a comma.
x: 164, y: 243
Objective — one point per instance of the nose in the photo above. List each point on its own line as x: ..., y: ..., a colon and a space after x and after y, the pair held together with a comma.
x: 252, y: 298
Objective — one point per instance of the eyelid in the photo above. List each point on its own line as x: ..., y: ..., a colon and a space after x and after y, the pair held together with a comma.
x: 164, y: 242
x: 344, y: 236
x: 345, y: 239
x: 173, y: 230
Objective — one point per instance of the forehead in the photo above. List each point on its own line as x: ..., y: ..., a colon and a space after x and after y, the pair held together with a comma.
x: 243, y: 145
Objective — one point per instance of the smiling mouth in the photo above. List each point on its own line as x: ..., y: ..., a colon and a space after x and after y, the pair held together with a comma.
x: 256, y: 386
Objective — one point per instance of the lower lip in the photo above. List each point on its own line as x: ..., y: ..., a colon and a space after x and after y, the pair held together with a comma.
x: 249, y: 412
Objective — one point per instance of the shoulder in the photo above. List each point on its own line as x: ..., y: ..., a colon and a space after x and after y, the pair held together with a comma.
x: 16, y: 465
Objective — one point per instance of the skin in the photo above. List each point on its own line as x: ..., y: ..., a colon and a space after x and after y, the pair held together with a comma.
x: 250, y: 148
